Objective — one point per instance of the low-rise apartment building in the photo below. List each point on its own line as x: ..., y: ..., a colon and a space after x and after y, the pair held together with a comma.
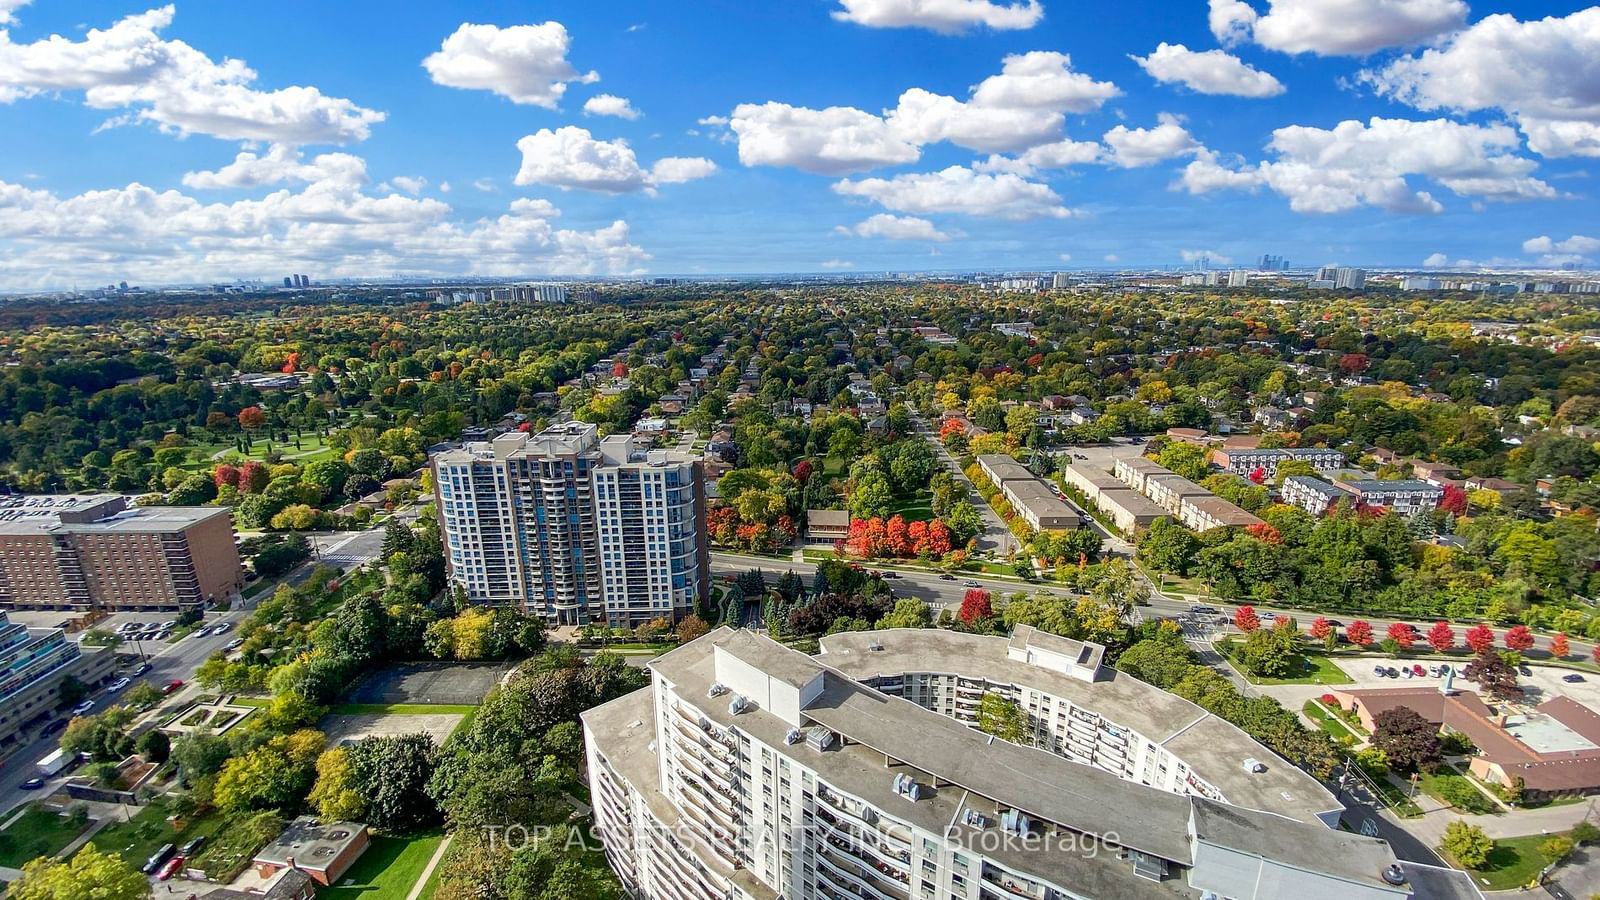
x: 1039, y: 506
x: 1313, y: 495
x: 94, y: 552
x: 1206, y: 513
x: 1406, y: 497
x: 750, y: 771
x: 1128, y: 509
x: 1134, y: 470
x: 1000, y: 468
x: 1243, y: 461
x: 1170, y: 491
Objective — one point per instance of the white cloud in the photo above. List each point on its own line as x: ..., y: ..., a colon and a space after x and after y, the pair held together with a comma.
x: 835, y: 141
x: 1436, y: 261
x: 484, y: 184
x: 1543, y: 73
x: 1191, y: 256
x: 331, y: 227
x: 411, y: 184
x: 1112, y: 257
x: 609, y: 105
x: 281, y: 163
x: 1336, y: 27
x: 130, y: 66
x: 959, y: 190
x: 1135, y: 147
x: 678, y: 169
x: 1358, y: 164
x: 837, y: 264
x: 1209, y: 72
x: 943, y: 16
x: 1577, y: 244
x: 1066, y: 257
x: 569, y: 157
x: 444, y: 187
x: 1023, y: 106
x: 8, y: 10
x: 895, y: 228
x: 1057, y: 155
x: 523, y: 63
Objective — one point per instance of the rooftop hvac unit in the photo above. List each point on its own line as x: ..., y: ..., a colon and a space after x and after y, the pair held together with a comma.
x: 717, y: 689
x: 794, y: 736
x: 874, y: 646
x: 970, y: 816
x: 738, y: 705
x: 1394, y: 875
x: 1014, y: 822
x: 820, y: 739
x: 1153, y: 868
x: 1254, y: 766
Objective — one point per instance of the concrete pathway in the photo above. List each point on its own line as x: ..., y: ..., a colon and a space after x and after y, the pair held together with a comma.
x: 427, y: 871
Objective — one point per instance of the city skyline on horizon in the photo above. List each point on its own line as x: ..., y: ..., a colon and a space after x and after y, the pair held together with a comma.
x: 186, y: 145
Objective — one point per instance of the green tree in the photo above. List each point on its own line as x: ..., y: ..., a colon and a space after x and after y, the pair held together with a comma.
x: 908, y: 612
x: 1003, y: 718
x: 1162, y: 662
x: 397, y: 538
x: 88, y: 875
x: 1467, y: 844
x: 153, y: 745
x: 1168, y: 546
x: 1270, y: 652
x: 276, y: 775
x: 872, y: 497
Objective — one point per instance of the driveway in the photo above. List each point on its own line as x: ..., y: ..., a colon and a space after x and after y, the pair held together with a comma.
x: 996, y: 536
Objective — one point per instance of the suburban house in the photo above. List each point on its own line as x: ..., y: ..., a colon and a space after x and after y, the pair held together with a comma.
x: 824, y: 526
x: 323, y: 850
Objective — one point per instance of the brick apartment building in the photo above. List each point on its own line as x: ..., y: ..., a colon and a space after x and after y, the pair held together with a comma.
x: 82, y: 552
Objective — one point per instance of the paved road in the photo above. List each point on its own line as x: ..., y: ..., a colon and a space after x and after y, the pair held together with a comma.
x: 996, y: 536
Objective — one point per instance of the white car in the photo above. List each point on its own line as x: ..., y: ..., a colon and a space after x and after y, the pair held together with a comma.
x: 117, y: 685
x: 83, y: 707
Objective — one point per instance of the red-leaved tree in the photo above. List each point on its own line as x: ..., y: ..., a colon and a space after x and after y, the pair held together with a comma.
x: 1454, y: 501
x: 1359, y: 633
x: 802, y: 471
x: 1401, y: 634
x: 1442, y: 637
x: 1559, y: 648
x: 1245, y: 619
x: 1480, y: 637
x: 1320, y: 629
x: 975, y: 605
x: 1519, y: 638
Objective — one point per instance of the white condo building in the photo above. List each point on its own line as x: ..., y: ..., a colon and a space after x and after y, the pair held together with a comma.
x: 578, y: 529
x: 750, y: 771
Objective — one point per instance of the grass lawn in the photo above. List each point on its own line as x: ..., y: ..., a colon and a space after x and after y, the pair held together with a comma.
x: 136, y: 839
x: 1314, y: 668
x: 39, y: 832
x: 914, y: 509
x: 1512, y: 863
x: 431, y: 886
x: 387, y: 870
x: 1431, y: 783
x: 400, y: 709
x: 1329, y: 723
x: 258, y: 702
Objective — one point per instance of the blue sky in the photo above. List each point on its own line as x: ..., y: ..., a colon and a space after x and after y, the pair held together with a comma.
x: 800, y: 136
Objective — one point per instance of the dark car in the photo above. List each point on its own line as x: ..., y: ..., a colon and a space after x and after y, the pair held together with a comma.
x: 32, y: 784
x: 56, y: 726
x: 888, y: 574
x: 947, y: 577
x: 1335, y: 623
x: 193, y: 847
x: 157, y: 858
x: 1574, y: 678
x: 1524, y: 671
x: 1392, y: 672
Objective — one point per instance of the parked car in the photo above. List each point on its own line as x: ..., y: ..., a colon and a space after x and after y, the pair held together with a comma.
x: 190, y: 849
x: 1524, y: 671
x: 157, y: 859
x: 1405, y: 671
x: 1434, y: 671
x: 170, y: 869
x: 83, y: 707
x: 1391, y: 672
x: 32, y: 784
x: 1418, y: 671
x: 169, y: 624
x: 1573, y: 678
x: 234, y: 644
x: 1378, y: 671
x: 117, y: 685
x: 172, y: 685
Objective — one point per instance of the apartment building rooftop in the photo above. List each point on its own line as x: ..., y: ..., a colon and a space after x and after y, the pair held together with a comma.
x: 1213, y: 747
x: 85, y: 513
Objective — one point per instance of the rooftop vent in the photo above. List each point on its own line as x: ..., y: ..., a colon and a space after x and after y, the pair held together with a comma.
x: 1013, y: 821
x: 738, y: 705
x: 338, y: 834
x: 717, y: 689
x: 970, y: 816
x: 907, y: 787
x: 794, y: 736
x: 1146, y: 866
x: 820, y: 739
x: 874, y: 646
x: 1393, y: 874
x: 1254, y: 766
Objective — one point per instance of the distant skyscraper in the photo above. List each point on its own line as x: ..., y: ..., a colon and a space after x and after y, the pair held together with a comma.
x: 1353, y: 279
x: 1328, y: 273
x: 1271, y: 263
x: 1238, y: 278
x: 1060, y: 280
x: 288, y: 281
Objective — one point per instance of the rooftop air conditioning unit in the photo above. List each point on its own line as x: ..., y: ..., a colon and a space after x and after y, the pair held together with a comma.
x: 717, y: 689
x: 738, y: 705
x: 1254, y: 766
x: 794, y: 736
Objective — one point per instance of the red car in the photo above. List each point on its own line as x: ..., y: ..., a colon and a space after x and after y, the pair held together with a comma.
x: 170, y: 869
x: 172, y: 685
x: 1418, y: 670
